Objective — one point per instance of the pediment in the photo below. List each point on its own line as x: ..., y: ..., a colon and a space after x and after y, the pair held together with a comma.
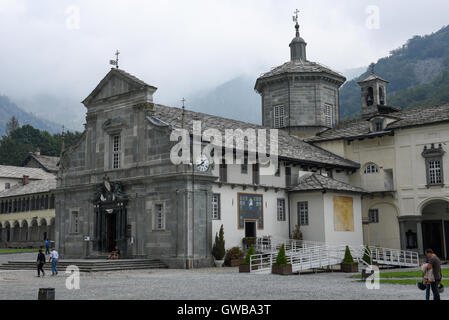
x: 117, y: 82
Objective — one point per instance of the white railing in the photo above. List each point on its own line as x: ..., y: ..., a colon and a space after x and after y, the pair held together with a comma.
x: 304, y: 255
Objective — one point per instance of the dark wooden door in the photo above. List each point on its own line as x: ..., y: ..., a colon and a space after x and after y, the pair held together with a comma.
x: 111, y: 231
x: 250, y: 229
x: 433, y: 236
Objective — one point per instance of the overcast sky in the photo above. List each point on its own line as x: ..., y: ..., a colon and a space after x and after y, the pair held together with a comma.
x: 185, y: 46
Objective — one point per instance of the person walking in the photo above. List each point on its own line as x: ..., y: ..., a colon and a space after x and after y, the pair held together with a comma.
x: 434, y: 264
x: 428, y: 278
x: 40, y: 263
x: 47, y: 247
x: 54, y: 256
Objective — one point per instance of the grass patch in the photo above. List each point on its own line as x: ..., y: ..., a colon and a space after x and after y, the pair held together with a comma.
x: 4, y: 251
x: 406, y: 281
x: 410, y: 274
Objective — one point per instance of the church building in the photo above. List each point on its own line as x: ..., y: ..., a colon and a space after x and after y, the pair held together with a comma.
x: 118, y: 186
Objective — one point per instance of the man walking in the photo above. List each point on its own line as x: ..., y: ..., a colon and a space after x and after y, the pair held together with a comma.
x: 434, y: 263
x: 40, y: 263
x: 47, y: 247
x: 54, y: 256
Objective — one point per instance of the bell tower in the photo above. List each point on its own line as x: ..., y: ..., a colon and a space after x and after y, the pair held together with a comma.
x: 300, y: 96
x: 374, y: 94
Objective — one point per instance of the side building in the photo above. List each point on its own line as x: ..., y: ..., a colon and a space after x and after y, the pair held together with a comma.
x: 402, y: 155
x: 27, y: 207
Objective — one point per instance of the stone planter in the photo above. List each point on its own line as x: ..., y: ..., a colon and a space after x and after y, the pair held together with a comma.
x: 219, y: 263
x: 236, y: 262
x: 282, y: 270
x: 350, y: 268
x: 244, y: 268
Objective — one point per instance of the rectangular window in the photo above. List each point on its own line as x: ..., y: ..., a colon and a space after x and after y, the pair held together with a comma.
x: 256, y: 174
x: 281, y: 210
x: 116, y: 152
x: 7, y: 186
x: 288, y: 176
x: 329, y: 115
x: 373, y: 216
x: 244, y: 167
x: 435, y: 176
x: 303, y: 213
x: 223, y: 172
x: 216, y: 214
x: 75, y: 222
x: 159, y: 217
x: 279, y: 117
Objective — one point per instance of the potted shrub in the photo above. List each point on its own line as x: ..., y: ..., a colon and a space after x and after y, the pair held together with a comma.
x: 244, y: 267
x: 234, y: 257
x: 367, y: 256
x: 218, y: 250
x: 249, y: 241
x: 348, y: 265
x: 281, y: 266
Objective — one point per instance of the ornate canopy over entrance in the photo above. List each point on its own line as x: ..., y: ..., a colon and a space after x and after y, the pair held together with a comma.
x: 110, y: 217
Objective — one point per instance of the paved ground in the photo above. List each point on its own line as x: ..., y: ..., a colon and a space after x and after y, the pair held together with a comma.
x: 200, y: 284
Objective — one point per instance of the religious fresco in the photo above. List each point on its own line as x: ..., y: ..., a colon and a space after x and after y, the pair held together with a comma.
x: 250, y: 208
x: 343, y: 214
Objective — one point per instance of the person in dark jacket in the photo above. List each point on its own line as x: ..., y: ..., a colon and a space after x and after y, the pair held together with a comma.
x: 40, y: 263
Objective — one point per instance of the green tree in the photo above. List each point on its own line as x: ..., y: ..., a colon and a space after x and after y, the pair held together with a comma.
x: 348, y: 257
x: 218, y: 250
x: 281, y: 259
x: 250, y: 253
x: 12, y: 125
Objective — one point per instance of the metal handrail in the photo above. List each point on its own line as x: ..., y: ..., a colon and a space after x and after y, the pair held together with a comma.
x: 305, y: 255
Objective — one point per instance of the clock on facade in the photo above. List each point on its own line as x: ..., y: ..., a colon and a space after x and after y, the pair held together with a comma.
x: 202, y: 163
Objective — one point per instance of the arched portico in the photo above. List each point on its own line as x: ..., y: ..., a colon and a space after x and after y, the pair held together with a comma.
x: 430, y: 229
x: 43, y: 229
x: 24, y: 231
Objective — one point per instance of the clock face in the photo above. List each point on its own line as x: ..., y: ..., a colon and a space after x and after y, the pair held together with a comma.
x: 202, y: 164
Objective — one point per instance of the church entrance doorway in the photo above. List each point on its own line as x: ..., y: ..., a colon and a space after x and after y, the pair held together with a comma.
x: 433, y: 236
x: 111, y: 218
x: 111, y: 231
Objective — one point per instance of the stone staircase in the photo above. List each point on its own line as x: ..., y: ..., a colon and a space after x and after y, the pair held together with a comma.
x: 90, y: 265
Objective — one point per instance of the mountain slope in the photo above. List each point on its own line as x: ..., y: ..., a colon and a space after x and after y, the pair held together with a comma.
x: 235, y: 99
x: 9, y: 109
x: 416, y: 67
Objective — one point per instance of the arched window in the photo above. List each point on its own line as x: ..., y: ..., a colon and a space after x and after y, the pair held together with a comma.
x: 370, y: 97
x: 371, y: 169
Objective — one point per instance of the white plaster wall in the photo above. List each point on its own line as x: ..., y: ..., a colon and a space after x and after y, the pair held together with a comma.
x: 411, y: 171
x: 354, y: 238
x: 12, y: 182
x: 229, y: 214
x: 315, y: 230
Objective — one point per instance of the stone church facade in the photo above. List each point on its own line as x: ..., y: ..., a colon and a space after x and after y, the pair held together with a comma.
x: 377, y: 181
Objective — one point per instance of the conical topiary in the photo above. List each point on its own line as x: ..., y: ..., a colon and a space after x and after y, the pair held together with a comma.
x: 367, y: 256
x: 250, y: 253
x: 348, y: 257
x: 218, y: 250
x: 281, y: 259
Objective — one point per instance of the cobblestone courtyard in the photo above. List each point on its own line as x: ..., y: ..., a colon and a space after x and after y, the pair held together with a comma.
x: 199, y: 284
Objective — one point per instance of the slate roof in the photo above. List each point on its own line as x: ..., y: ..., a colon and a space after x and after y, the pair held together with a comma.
x: 300, y: 66
x: 372, y: 77
x: 317, y: 182
x: 419, y: 116
x: 48, y: 163
x: 38, y: 186
x: 19, y: 172
x: 289, y: 147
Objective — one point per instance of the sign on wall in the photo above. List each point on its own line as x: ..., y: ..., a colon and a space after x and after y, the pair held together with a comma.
x: 343, y: 214
x: 250, y: 207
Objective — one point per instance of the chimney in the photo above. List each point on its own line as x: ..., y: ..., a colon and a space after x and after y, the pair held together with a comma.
x: 26, y: 180
x: 37, y: 152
